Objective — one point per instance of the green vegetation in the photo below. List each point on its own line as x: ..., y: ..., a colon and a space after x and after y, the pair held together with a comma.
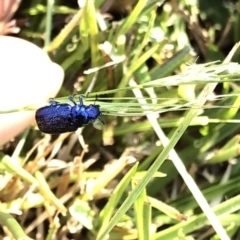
x: 164, y: 165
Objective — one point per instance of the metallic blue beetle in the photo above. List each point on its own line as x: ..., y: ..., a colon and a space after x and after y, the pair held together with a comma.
x: 62, y: 117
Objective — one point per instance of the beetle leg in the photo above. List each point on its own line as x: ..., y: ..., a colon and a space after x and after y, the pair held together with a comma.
x: 81, y: 100
x: 71, y: 98
x: 52, y: 101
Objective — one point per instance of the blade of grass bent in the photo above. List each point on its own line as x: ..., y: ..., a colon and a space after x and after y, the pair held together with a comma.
x: 180, y: 166
x: 156, y: 165
x: 202, y: 98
